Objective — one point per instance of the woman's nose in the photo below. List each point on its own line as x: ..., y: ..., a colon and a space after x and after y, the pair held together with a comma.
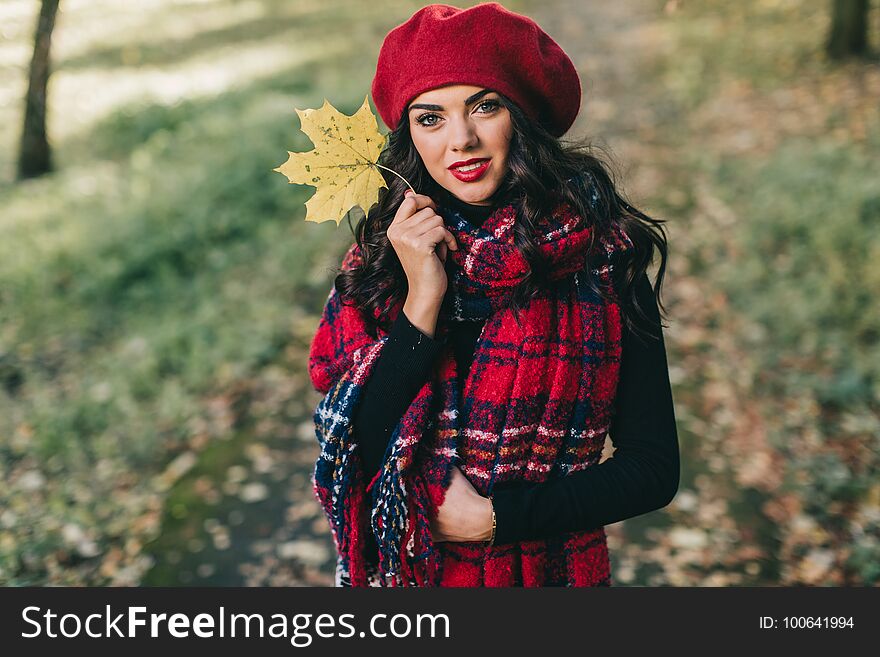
x: 462, y: 136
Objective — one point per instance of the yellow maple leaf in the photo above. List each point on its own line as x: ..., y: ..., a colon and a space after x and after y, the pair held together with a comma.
x: 342, y: 166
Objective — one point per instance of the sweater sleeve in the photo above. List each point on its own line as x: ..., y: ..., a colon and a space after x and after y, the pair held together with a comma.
x: 641, y: 476
x: 401, y: 371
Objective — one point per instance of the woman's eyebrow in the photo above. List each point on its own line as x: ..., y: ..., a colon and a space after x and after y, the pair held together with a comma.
x: 439, y: 108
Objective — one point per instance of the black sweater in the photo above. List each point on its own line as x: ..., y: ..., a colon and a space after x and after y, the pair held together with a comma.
x: 641, y: 476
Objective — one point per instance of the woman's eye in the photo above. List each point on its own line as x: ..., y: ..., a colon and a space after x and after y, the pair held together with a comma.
x: 423, y: 117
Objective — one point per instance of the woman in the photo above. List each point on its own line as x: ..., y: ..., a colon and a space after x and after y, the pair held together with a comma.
x: 487, y: 332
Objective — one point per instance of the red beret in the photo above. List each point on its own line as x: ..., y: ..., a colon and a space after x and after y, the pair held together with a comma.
x: 485, y: 45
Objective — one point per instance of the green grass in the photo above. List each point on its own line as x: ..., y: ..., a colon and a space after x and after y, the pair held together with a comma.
x: 809, y: 237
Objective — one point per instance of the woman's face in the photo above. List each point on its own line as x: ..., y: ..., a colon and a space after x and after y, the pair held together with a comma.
x: 458, y: 123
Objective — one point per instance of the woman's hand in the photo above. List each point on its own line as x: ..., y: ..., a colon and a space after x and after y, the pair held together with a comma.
x: 465, y: 515
x: 420, y: 239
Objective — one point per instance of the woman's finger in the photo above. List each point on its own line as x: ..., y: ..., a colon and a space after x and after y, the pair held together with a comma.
x: 422, y: 200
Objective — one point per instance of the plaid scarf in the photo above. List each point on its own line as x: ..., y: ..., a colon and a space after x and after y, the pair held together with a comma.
x: 536, y: 404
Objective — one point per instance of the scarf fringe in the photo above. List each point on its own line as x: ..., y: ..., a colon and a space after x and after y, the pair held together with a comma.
x: 401, y: 523
x: 396, y: 506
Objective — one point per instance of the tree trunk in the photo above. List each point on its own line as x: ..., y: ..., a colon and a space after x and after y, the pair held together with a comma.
x: 849, y: 29
x: 35, y: 157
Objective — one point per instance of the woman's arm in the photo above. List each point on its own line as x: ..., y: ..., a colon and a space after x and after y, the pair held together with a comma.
x: 641, y: 476
x: 401, y: 371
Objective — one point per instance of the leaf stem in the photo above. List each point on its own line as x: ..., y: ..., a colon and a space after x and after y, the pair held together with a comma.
x: 396, y: 174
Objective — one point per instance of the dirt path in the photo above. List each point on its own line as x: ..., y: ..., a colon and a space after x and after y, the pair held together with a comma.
x: 615, y: 46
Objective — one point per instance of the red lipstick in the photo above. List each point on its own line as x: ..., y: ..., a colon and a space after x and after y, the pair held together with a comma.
x: 473, y: 175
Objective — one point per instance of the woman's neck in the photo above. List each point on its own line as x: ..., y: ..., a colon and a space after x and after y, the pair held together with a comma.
x: 475, y: 214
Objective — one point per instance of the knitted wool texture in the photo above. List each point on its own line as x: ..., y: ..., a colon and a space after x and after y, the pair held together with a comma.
x: 536, y: 404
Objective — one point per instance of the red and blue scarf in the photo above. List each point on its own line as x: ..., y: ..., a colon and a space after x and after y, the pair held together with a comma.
x: 536, y: 404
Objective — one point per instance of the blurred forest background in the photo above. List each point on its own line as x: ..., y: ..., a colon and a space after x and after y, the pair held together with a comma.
x: 159, y: 287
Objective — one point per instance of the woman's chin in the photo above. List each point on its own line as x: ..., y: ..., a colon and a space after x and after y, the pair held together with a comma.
x: 470, y: 194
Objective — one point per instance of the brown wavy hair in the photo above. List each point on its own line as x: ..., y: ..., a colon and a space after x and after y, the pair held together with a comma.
x: 542, y: 170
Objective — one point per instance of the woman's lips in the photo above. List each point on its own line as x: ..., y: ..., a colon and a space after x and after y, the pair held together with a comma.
x: 471, y: 176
